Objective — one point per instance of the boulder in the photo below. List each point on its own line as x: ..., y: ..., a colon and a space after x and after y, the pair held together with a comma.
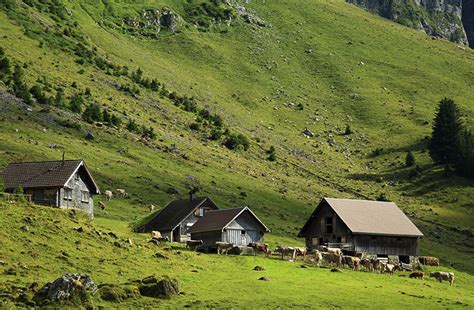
x: 258, y: 268
x: 75, y: 287
x: 165, y: 288
x: 264, y: 279
x: 118, y: 293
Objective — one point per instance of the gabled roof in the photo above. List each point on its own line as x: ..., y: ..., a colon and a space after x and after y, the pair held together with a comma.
x: 44, y: 174
x: 219, y: 219
x: 369, y: 217
x: 174, y: 213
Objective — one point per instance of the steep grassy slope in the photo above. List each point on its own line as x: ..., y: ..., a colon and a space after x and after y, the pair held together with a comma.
x: 343, y: 65
x: 51, y: 247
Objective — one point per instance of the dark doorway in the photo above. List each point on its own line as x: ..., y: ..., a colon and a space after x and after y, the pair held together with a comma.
x: 404, y: 259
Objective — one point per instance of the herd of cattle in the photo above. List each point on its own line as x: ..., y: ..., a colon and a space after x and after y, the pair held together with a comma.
x: 335, y: 257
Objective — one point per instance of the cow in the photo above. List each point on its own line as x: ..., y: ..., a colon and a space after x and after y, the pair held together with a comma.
x: 101, y: 205
x: 260, y: 247
x: 367, y: 263
x: 318, y: 257
x: 223, y: 247
x: 151, y: 207
x: 389, y: 268
x: 193, y: 244
x: 332, y: 258
x: 331, y: 250
x: 417, y: 275
x: 406, y: 267
x: 286, y: 251
x: 351, y: 261
x: 376, y: 265
x: 157, y: 238
x: 121, y: 193
x: 301, y: 252
x: 429, y: 260
x: 108, y: 195
x: 442, y: 275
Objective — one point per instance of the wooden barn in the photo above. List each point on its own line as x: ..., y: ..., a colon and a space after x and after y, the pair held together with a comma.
x: 372, y: 227
x: 177, y: 217
x: 239, y: 226
x: 64, y: 183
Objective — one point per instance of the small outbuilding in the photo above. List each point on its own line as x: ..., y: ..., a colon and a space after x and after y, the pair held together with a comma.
x: 239, y: 226
x: 372, y: 227
x: 63, y: 183
x: 177, y: 217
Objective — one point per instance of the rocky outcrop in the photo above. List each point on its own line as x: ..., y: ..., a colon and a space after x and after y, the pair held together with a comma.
x: 448, y: 19
x: 153, y: 21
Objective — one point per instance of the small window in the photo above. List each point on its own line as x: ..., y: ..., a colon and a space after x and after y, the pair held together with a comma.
x: 399, y: 239
x: 242, y: 232
x: 339, y: 239
x: 373, y: 238
x: 68, y: 194
x: 85, y: 196
x: 201, y: 212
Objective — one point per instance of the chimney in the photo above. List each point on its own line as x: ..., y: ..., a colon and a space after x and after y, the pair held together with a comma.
x: 64, y: 152
x: 192, y: 193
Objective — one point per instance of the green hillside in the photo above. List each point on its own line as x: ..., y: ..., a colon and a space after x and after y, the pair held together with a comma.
x: 320, y: 65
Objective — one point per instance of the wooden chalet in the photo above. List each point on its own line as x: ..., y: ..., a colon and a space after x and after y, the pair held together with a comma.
x: 372, y: 227
x: 63, y: 183
x: 239, y: 226
x: 177, y: 217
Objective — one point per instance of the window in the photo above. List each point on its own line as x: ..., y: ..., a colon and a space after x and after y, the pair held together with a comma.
x: 76, y: 177
x: 68, y: 194
x: 329, y: 225
x: 242, y: 232
x: 373, y: 238
x: 201, y: 212
x: 399, y: 239
x: 85, y: 196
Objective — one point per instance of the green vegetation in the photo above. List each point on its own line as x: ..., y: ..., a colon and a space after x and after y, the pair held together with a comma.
x: 346, y: 67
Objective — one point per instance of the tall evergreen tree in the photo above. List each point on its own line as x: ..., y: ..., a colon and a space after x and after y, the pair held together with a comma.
x: 465, y: 161
x: 444, y: 143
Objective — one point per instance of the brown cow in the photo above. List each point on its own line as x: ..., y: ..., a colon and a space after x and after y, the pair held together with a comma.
x: 429, y: 260
x: 367, y: 263
x: 332, y: 258
x: 193, y: 244
x: 286, y: 251
x: 224, y: 247
x: 417, y: 275
x: 376, y: 265
x: 330, y: 250
x: 260, y: 247
x: 301, y: 252
x: 353, y: 262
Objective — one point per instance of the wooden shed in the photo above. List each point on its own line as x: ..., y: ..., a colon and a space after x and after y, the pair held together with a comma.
x: 63, y: 183
x: 177, y: 217
x: 239, y: 226
x: 372, y: 227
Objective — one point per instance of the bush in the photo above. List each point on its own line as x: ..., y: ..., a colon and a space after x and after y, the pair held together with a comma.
x: 348, y: 130
x: 148, y: 133
x: 216, y: 134
x: 92, y: 113
x: 75, y: 103
x: 271, y: 153
x: 234, y: 141
x: 195, y: 126
x: 132, y: 126
x: 409, y: 159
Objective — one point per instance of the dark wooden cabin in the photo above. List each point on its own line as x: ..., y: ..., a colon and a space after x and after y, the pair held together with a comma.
x: 63, y: 183
x: 239, y: 226
x: 372, y: 227
x: 177, y: 217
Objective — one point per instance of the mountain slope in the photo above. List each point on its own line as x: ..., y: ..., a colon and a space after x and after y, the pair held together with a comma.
x: 316, y: 64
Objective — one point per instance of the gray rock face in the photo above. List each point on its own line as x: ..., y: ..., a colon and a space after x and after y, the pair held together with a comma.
x: 66, y: 287
x: 452, y: 20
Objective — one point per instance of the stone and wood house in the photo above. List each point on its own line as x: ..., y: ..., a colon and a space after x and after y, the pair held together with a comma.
x: 239, y: 226
x: 371, y: 227
x: 63, y: 183
x: 177, y: 217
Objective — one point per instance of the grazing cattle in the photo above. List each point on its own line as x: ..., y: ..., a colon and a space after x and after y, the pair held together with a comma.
x: 151, y: 207
x: 157, y: 238
x: 429, y: 260
x: 101, y: 205
x: 332, y: 258
x: 367, y: 263
x: 108, y: 195
x: 376, y: 265
x: 318, y: 257
x: 351, y: 261
x: 224, y: 247
x: 442, y: 275
x: 417, y: 275
x: 121, y: 193
x: 389, y: 268
x: 301, y: 252
x: 283, y: 250
x: 406, y: 267
x: 155, y: 234
x: 193, y: 244
x: 331, y: 250
x: 260, y: 247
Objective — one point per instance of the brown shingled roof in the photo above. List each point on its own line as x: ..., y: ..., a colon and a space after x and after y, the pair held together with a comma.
x: 219, y: 219
x: 42, y: 174
x: 371, y: 217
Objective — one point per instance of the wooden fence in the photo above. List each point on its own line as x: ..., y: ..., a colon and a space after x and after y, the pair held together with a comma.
x: 9, y: 197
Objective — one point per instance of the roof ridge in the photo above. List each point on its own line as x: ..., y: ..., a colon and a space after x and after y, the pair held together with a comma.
x: 43, y: 161
x: 42, y: 173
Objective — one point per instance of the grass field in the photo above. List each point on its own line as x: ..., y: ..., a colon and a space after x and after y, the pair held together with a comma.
x: 342, y: 65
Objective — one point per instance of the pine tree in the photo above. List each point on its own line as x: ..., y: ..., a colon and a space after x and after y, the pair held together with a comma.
x: 59, y: 99
x: 465, y: 161
x: 75, y: 103
x: 444, y: 143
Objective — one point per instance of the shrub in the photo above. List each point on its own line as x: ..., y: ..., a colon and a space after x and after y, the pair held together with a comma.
x: 271, y: 152
x: 148, y: 133
x: 234, y: 141
x: 195, y: 126
x: 59, y: 99
x: 116, y: 121
x: 216, y: 134
x: 348, y: 130
x: 75, y: 103
x: 92, y: 113
x: 409, y: 159
x: 132, y: 126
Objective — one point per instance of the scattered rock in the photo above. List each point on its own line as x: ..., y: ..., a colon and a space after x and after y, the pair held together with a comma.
x: 304, y: 266
x: 2, y: 263
x: 172, y: 191
x: 75, y: 287
x: 336, y: 270
x: 90, y: 137
x: 195, y: 270
x: 165, y: 288
x: 117, y: 244
x: 264, y: 279
x: 258, y: 268
x: 25, y: 228
x: 118, y: 293
x: 160, y: 256
x: 79, y: 229
x: 113, y: 235
x: 308, y: 133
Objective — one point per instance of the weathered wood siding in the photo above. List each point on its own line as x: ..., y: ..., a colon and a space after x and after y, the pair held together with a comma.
x: 209, y: 238
x: 190, y: 220
x: 386, y: 245
x: 78, y: 186
x: 317, y: 229
x: 243, y: 230
x: 44, y: 196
